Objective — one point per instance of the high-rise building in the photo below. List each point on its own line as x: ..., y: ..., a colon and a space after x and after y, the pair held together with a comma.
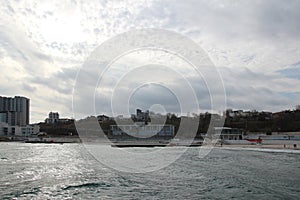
x: 14, y: 110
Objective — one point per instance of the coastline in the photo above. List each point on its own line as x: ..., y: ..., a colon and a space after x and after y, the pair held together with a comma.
x: 272, y: 148
x: 283, y: 146
x: 263, y: 146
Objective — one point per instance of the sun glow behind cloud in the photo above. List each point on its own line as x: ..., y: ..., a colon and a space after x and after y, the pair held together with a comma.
x: 63, y: 28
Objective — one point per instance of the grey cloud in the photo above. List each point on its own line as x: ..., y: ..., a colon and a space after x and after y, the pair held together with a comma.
x: 147, y: 96
x: 226, y: 18
x: 62, y: 81
x: 293, y: 71
x: 279, y: 18
x: 21, y: 49
x: 246, y: 89
x: 276, y: 22
x: 28, y: 88
x: 67, y: 74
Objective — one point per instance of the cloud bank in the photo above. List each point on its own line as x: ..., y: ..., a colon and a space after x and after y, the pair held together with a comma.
x: 254, y: 45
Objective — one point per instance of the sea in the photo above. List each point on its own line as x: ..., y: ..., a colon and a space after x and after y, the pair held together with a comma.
x: 69, y: 171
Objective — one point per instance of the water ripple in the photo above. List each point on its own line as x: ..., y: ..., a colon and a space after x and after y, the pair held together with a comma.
x: 69, y: 172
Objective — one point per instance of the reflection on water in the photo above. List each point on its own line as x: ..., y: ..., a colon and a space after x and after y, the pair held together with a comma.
x: 53, y: 171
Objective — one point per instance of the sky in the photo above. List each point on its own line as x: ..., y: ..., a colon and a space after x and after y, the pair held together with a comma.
x: 254, y: 45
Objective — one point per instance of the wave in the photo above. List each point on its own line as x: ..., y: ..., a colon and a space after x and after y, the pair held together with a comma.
x: 88, y: 185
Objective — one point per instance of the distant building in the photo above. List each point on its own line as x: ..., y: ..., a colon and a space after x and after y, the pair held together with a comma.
x: 142, y: 116
x: 237, y: 113
x: 145, y: 131
x: 142, y: 128
x: 14, y: 110
x: 7, y: 130
x: 30, y: 130
x: 53, y: 118
x: 229, y: 133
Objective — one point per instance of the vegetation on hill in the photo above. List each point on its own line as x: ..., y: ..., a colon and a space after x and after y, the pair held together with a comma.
x: 250, y: 121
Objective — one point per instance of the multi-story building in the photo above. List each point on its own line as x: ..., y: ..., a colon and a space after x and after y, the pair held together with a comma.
x: 14, y: 110
x: 142, y: 128
x: 14, y: 117
x: 7, y: 130
x: 53, y: 118
x: 144, y: 131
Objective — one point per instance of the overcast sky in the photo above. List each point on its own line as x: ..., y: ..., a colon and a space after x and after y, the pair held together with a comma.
x: 255, y: 45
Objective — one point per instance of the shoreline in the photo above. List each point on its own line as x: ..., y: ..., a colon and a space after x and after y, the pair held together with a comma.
x: 270, y: 148
x: 282, y: 145
x: 262, y: 146
x: 267, y: 149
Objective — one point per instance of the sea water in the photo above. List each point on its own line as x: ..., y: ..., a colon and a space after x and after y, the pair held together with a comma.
x: 68, y: 171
